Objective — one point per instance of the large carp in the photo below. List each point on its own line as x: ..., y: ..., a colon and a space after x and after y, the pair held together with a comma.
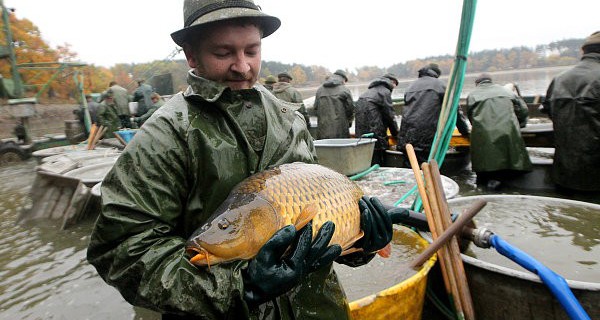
x: 267, y: 201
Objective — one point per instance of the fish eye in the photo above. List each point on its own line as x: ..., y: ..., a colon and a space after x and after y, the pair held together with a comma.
x: 223, y: 224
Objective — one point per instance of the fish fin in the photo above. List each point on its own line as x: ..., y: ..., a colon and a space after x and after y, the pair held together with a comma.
x: 347, y: 247
x: 386, y: 252
x: 350, y: 250
x: 307, y: 214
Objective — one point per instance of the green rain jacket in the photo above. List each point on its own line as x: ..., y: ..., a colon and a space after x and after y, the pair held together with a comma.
x: 122, y: 98
x: 108, y: 116
x: 335, y: 109
x: 496, y: 143
x: 375, y: 112
x: 573, y: 100
x: 286, y: 92
x: 177, y: 170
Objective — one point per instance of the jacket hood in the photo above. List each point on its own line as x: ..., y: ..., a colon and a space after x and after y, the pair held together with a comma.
x: 427, y: 72
x: 382, y: 82
x: 334, y: 81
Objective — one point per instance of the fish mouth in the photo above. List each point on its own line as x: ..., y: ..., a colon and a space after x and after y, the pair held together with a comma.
x: 198, y: 256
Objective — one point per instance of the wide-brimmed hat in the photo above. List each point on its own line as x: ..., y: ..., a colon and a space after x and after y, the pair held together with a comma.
x: 199, y: 13
x: 594, y: 38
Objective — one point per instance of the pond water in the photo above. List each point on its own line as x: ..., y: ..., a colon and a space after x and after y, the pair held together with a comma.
x: 381, y: 273
x: 43, y: 269
x: 531, y: 82
x: 563, y: 235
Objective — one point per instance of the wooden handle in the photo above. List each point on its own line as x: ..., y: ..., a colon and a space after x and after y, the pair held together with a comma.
x: 445, y: 254
x: 97, y: 137
x: 414, y: 163
x: 456, y: 227
x: 93, y: 131
x: 453, y: 248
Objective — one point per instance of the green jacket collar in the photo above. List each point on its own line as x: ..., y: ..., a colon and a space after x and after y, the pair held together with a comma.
x: 280, y: 115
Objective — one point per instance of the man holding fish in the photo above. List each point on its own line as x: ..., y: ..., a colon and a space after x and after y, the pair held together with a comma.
x: 182, y: 164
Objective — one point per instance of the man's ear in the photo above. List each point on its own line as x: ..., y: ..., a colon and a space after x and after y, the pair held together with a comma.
x: 189, y: 55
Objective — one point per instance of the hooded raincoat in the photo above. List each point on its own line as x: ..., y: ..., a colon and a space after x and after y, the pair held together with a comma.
x: 121, y: 97
x: 420, y: 115
x: 177, y: 170
x: 335, y: 109
x: 375, y: 113
x: 286, y: 92
x: 573, y: 101
x: 496, y: 143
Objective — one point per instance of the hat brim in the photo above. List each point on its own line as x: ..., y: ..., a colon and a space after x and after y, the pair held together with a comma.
x: 268, y: 24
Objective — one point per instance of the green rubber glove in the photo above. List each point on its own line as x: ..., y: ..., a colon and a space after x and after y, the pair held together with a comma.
x: 272, y: 272
x: 378, y: 232
x: 375, y: 223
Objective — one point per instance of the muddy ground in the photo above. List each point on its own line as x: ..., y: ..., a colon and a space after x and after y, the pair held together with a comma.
x: 48, y: 119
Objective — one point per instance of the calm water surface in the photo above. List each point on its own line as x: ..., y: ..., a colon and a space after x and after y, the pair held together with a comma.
x: 531, y: 82
x: 562, y: 235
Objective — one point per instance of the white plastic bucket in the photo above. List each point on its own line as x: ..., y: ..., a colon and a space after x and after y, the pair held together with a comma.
x: 133, y: 107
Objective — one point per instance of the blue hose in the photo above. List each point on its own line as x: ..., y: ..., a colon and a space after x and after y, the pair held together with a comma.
x: 557, y: 284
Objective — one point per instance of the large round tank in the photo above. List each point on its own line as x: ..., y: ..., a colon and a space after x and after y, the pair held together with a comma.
x: 562, y: 234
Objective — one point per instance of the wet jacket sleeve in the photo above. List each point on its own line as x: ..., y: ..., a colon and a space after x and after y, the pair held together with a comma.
x: 137, y: 244
x: 297, y: 97
x: 547, y: 103
x: 461, y: 122
x: 388, y: 114
x: 521, y: 111
x: 349, y: 105
x: 141, y: 119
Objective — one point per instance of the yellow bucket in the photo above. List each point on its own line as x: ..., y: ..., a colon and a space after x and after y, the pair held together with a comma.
x: 401, y: 301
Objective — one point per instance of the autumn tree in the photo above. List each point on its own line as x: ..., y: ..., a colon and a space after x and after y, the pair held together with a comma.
x: 298, y: 74
x: 30, y: 48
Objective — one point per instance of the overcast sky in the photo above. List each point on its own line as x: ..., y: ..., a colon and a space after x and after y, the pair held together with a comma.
x: 332, y: 33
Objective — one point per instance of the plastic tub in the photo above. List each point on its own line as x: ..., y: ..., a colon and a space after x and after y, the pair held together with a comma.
x: 127, y: 135
x: 346, y: 156
x: 560, y: 233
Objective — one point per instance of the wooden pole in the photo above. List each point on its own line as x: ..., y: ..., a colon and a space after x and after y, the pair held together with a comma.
x: 91, y: 136
x: 456, y: 227
x: 445, y: 252
x: 97, y: 137
x: 120, y: 139
x: 453, y: 248
x: 414, y: 163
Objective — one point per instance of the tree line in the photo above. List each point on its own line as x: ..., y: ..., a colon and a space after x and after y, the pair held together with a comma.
x: 30, y: 48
